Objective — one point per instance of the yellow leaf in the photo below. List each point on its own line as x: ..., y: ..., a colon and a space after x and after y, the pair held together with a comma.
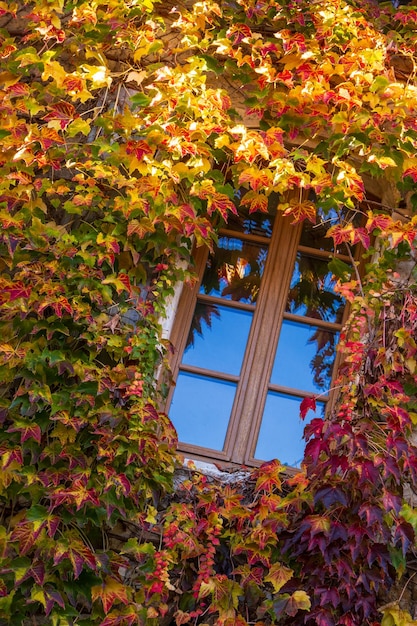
x: 78, y: 126
x: 54, y: 70
x: 151, y: 515
x: 302, y: 600
x: 221, y: 141
x: 38, y: 595
x: 7, y: 79
x: 98, y: 74
x: 278, y: 575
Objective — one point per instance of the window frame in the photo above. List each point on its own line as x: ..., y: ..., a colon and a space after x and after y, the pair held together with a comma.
x: 253, y: 383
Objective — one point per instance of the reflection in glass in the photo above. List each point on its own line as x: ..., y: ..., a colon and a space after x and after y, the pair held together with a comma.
x: 221, y: 344
x: 259, y: 224
x: 234, y: 270
x: 312, y: 290
x: 201, y: 409
x: 314, y: 236
x: 282, y: 429
x: 305, y: 357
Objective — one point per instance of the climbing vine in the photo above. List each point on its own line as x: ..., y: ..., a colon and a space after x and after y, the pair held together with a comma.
x: 125, y: 130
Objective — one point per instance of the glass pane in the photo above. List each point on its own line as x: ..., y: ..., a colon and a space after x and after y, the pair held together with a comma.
x: 314, y: 235
x: 305, y: 357
x: 234, y: 270
x: 312, y: 290
x: 217, y: 338
x: 259, y: 224
x: 282, y: 429
x: 201, y: 409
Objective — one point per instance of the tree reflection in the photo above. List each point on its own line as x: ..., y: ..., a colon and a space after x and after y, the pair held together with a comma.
x: 234, y: 271
x: 204, y: 314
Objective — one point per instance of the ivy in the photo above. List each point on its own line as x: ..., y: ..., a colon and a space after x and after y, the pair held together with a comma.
x: 125, y: 128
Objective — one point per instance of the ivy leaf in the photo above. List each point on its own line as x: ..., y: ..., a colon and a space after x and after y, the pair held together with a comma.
x: 307, y: 404
x: 109, y: 592
x: 269, y: 476
x: 26, y: 430
x: 278, y: 575
x: 238, y: 32
x: 225, y: 594
x: 221, y: 203
x: 290, y: 605
x: 330, y: 495
x: 255, y: 201
x: 301, y: 211
x: 60, y: 115
x: 140, y: 99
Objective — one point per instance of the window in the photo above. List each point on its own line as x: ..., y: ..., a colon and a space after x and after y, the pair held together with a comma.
x: 255, y: 336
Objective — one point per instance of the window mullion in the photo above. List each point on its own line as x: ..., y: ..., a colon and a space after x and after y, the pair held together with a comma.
x: 263, y: 339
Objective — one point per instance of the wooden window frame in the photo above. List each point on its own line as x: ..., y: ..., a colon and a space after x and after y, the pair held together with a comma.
x: 253, y: 383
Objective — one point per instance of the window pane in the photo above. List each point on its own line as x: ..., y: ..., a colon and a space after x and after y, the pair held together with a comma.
x: 217, y: 338
x: 305, y: 357
x: 282, y: 429
x: 259, y: 224
x: 314, y: 236
x: 312, y: 290
x: 234, y: 270
x: 201, y: 409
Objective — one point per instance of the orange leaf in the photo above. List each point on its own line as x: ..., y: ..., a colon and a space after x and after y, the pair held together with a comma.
x: 221, y: 203
x: 258, y: 179
x: 256, y: 202
x: 109, y: 592
x: 300, y: 211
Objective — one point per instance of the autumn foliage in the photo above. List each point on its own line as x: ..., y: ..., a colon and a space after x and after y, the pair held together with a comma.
x: 125, y: 129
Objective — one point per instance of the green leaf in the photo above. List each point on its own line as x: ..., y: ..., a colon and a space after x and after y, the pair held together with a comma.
x: 37, y: 513
x: 379, y: 83
x: 140, y: 99
x: 340, y: 269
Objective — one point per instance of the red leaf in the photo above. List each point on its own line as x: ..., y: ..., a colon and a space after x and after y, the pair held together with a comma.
x: 7, y: 51
x: 18, y: 89
x: 378, y: 221
x: 29, y: 431
x: 80, y: 556
x: 64, y: 112
x: 258, y: 179
x: 330, y: 495
x: 49, y: 137
x: 53, y: 597
x: 139, y: 149
x: 361, y: 236
x: 412, y: 172
x: 341, y: 233
x: 26, y: 536
x: 14, y: 291
x: 124, y: 278
x: 37, y: 571
x: 391, y: 501
x: 306, y: 405
x: 238, y: 32
x: 268, y: 476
